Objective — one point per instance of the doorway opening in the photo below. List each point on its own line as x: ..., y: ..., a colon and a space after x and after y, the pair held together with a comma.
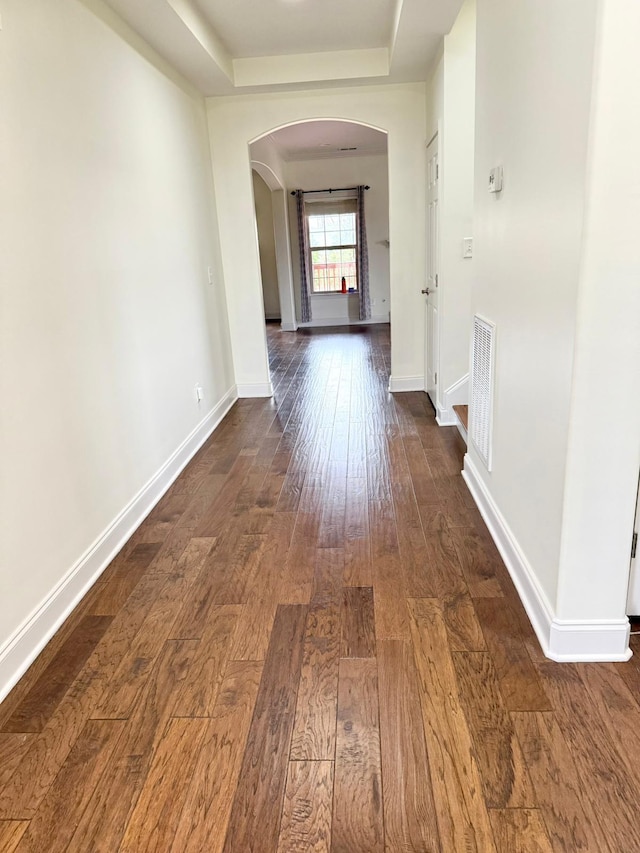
x: 266, y: 248
x: 317, y: 255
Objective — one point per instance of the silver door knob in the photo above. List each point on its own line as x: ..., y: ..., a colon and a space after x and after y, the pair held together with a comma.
x: 426, y: 291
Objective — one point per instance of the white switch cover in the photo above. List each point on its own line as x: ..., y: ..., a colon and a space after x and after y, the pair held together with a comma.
x: 467, y: 247
x: 210, y: 274
x: 199, y: 393
x: 495, y: 180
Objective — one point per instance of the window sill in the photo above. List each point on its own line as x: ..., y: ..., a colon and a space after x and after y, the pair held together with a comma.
x: 335, y: 293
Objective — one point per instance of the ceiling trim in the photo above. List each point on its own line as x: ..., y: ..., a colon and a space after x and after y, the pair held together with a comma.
x: 394, y: 30
x: 311, y: 67
x: 203, y: 32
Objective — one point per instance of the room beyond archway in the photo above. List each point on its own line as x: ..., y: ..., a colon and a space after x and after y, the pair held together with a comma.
x: 327, y: 160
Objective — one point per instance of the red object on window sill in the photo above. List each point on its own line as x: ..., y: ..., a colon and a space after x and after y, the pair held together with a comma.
x: 344, y: 284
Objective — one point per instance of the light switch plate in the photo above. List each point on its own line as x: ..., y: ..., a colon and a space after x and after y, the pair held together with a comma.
x: 495, y: 180
x: 467, y: 247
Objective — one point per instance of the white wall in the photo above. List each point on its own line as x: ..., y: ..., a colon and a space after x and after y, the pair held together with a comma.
x: 534, y: 68
x: 435, y: 97
x: 456, y: 209
x: 347, y: 172
x: 604, y: 429
x: 108, y: 321
x: 267, y: 248
x: 555, y: 270
x: 400, y: 110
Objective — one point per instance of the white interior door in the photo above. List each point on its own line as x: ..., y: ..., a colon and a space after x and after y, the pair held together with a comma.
x: 431, y: 291
x: 633, y: 601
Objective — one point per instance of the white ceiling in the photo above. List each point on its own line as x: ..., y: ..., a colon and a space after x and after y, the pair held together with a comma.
x: 273, y: 27
x: 317, y: 140
x: 229, y: 47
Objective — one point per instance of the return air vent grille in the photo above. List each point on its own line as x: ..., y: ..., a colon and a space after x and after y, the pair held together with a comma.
x: 482, y: 388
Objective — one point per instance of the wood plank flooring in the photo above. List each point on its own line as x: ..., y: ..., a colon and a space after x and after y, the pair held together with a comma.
x: 311, y: 644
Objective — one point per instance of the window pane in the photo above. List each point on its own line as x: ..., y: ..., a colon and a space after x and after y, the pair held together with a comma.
x: 333, y: 238
x: 348, y: 228
x: 317, y: 238
x: 332, y: 222
x: 330, y: 267
x: 316, y: 223
x: 320, y: 272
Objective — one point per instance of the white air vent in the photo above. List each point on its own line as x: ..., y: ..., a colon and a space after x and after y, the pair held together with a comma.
x: 482, y: 388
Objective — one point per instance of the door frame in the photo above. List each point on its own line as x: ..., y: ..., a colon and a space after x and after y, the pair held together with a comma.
x: 432, y: 348
x: 633, y: 596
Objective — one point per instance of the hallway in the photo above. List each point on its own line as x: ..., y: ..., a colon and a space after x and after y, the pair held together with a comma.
x: 312, y: 644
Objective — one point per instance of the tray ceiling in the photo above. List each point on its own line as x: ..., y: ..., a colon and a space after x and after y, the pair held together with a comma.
x: 227, y: 47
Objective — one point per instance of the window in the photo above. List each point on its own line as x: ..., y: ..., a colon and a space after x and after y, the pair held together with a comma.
x: 332, y: 245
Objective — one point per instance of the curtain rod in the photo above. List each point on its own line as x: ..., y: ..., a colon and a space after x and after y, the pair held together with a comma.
x: 340, y: 190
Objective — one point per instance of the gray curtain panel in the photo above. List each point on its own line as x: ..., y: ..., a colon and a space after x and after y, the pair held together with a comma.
x: 305, y: 278
x: 364, y: 296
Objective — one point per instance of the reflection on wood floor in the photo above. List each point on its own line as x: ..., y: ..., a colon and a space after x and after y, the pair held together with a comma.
x: 312, y: 644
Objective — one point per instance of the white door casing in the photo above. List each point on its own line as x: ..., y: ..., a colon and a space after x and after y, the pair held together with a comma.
x: 633, y: 599
x: 432, y: 316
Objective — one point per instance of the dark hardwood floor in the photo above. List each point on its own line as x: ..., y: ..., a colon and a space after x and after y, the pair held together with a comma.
x: 312, y: 644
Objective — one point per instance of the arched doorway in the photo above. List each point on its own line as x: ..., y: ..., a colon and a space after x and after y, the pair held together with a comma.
x: 328, y: 159
x: 236, y: 124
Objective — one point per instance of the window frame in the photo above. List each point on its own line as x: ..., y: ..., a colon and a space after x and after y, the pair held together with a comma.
x: 332, y: 202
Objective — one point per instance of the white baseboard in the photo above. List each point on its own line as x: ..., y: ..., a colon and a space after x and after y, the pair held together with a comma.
x: 593, y: 640
x: 22, y: 648
x: 289, y: 327
x: 406, y: 383
x: 343, y: 321
x: 444, y: 417
x: 255, y: 389
x: 455, y: 395
x: 533, y: 597
x: 462, y: 431
x: 561, y: 640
